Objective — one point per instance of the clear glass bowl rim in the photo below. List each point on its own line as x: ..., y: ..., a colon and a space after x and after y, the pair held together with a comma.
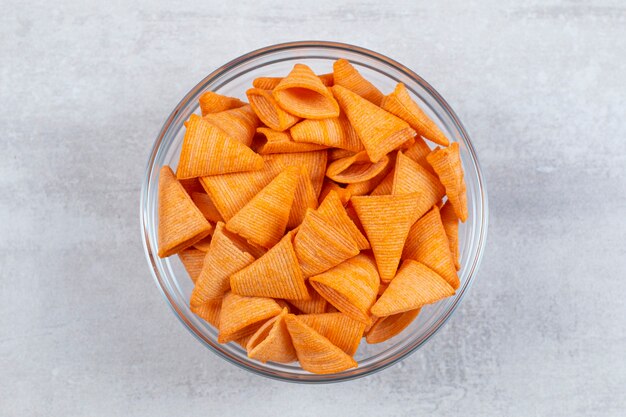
x: 483, y: 221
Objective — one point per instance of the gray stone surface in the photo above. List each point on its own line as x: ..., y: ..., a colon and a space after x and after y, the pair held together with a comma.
x: 84, y: 88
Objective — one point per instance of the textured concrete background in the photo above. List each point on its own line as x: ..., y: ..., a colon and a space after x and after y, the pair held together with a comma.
x: 84, y: 88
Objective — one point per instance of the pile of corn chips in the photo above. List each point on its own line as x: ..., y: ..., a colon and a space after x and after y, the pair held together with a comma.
x: 313, y: 216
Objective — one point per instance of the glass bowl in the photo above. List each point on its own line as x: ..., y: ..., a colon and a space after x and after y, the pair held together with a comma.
x: 233, y: 79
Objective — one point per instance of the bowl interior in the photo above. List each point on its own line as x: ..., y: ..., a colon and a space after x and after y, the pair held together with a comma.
x: 233, y: 79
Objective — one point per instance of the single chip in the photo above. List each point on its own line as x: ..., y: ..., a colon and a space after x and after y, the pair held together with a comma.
x: 271, y: 342
x: 209, y: 311
x: 282, y: 142
x: 275, y: 274
x: 304, y: 198
x: 211, y: 102
x: 224, y: 257
x: 341, y: 330
x: 451, y: 226
x: 316, y: 353
x: 411, y: 177
x: 319, y: 246
x: 268, y: 110
x: 263, y: 219
x: 384, y: 328
x: 192, y: 260
x: 381, y: 132
x: 333, y: 211
x: 427, y: 243
x: 330, y: 185
x: 413, y: 287
x: 207, y: 207
x: 356, y: 168
x: 386, y: 220
x: 351, y: 286
x: 346, y: 75
x: 204, y: 244
x: 208, y: 150
x: 241, y: 316
x: 303, y: 94
x: 336, y: 132
x: 447, y: 163
x: 240, y: 123
x: 418, y: 152
x: 315, y: 304
x: 181, y: 224
x: 402, y: 105
x: 269, y: 83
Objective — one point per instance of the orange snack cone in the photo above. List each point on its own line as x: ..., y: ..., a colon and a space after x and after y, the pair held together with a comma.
x: 341, y: 330
x: 356, y: 168
x: 211, y: 102
x: 304, y: 198
x: 263, y: 219
x: 316, y: 353
x: 208, y: 150
x: 427, y: 243
x: 447, y: 164
x: 384, y: 328
x: 269, y: 83
x: 272, y: 342
x: 386, y: 220
x: 402, y: 105
x: 192, y: 260
x: 320, y: 246
x: 451, y: 226
x: 411, y: 177
x: 315, y: 304
x: 380, y: 132
x: 329, y: 185
x: 206, y: 207
x: 210, y: 312
x: 240, y: 123
x: 413, y: 287
x: 351, y: 286
x: 333, y: 211
x: 418, y: 153
x: 181, y: 224
x: 346, y: 75
x: 268, y: 110
x: 224, y: 257
x: 336, y: 132
x: 242, y: 316
x: 303, y: 94
x: 282, y: 142
x: 275, y: 274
